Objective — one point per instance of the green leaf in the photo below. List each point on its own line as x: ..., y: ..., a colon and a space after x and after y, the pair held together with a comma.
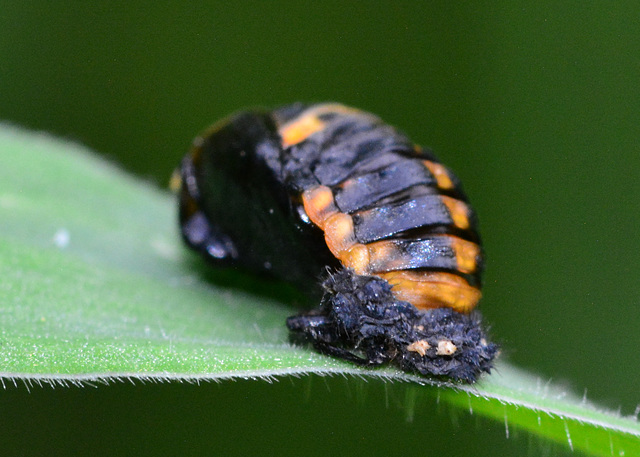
x: 96, y: 285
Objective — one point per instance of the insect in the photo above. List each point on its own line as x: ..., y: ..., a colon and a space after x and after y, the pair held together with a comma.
x: 325, y: 190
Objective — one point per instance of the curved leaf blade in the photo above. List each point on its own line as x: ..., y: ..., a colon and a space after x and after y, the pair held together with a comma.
x: 96, y: 285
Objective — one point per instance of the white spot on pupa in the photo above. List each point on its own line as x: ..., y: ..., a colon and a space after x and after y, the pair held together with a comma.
x: 62, y: 238
x: 419, y: 346
x: 446, y: 347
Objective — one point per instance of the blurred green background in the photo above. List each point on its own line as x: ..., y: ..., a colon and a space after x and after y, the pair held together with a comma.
x: 535, y: 105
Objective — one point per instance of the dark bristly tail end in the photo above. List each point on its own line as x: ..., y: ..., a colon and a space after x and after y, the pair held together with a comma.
x: 360, y: 320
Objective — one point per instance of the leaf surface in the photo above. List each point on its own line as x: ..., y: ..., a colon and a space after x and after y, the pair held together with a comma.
x: 96, y: 285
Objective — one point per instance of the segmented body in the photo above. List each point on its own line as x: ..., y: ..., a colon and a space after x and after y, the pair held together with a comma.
x: 304, y: 187
x: 386, y: 207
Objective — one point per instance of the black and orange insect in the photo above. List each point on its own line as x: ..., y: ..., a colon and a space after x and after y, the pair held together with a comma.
x: 324, y: 189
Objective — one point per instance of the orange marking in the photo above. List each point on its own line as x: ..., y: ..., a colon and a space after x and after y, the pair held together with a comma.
x: 466, y: 254
x: 308, y: 122
x: 384, y: 254
x: 318, y: 204
x: 337, y: 227
x: 426, y: 290
x: 423, y: 289
x: 459, y: 212
x: 441, y: 174
x: 300, y: 129
x: 357, y: 258
x: 338, y: 233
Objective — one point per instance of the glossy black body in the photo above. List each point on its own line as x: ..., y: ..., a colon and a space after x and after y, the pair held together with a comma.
x: 239, y: 194
x: 241, y: 205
